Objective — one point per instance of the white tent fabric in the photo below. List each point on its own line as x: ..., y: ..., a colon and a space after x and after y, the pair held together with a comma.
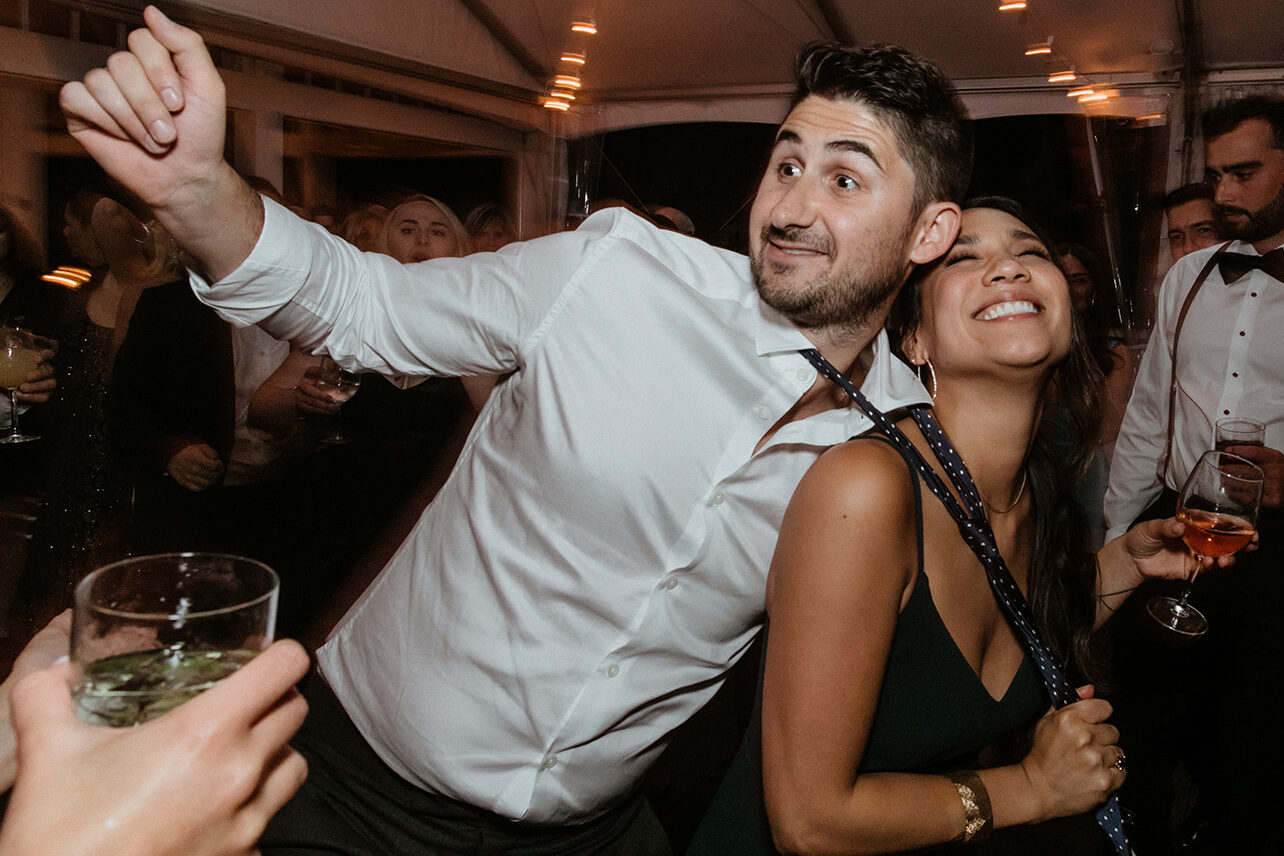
x: 666, y: 60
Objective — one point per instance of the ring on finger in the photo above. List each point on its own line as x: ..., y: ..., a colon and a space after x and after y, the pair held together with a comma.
x: 1121, y: 763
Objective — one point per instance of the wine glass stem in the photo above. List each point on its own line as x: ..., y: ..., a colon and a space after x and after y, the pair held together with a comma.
x: 13, y: 413
x: 1190, y: 583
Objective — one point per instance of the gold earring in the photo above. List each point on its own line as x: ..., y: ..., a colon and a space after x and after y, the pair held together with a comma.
x: 931, y: 373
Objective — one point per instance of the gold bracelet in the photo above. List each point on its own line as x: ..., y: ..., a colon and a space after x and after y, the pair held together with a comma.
x: 978, y: 818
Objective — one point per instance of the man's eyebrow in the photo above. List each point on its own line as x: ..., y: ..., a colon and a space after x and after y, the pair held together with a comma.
x: 787, y: 136
x: 1234, y: 167
x: 854, y: 146
x: 784, y: 135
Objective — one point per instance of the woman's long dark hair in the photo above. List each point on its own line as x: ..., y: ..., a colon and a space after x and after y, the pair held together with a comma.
x: 1062, y: 578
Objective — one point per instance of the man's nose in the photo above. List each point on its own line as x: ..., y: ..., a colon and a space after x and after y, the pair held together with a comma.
x: 1222, y: 192
x: 796, y: 206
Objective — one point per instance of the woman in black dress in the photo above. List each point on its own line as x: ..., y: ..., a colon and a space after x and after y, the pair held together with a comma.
x: 890, y: 665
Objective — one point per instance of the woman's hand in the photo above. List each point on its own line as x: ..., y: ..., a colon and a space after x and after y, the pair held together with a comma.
x: 40, y: 383
x: 1072, y: 766
x: 1150, y: 550
x: 195, y: 467
x: 202, y: 780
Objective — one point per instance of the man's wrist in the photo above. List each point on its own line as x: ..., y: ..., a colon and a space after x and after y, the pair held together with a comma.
x: 216, y: 218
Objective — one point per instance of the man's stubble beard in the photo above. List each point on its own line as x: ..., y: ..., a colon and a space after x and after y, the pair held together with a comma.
x: 836, y: 299
x: 1265, y: 222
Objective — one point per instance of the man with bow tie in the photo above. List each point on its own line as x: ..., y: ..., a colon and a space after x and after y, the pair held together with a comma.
x: 1220, y: 329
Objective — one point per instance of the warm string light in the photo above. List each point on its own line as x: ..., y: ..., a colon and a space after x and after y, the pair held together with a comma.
x: 1063, y: 72
x: 70, y: 277
x: 563, y: 88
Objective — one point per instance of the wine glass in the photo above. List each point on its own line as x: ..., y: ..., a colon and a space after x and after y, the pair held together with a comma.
x: 1219, y: 504
x: 19, y: 356
x: 338, y: 385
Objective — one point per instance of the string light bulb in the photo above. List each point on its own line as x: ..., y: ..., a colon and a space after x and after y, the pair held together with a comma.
x: 1039, y: 48
x: 1079, y: 93
x: 587, y: 27
x: 568, y: 81
x: 575, y: 58
x: 1014, y: 6
x: 1063, y: 76
x: 65, y: 275
x: 564, y: 94
x: 555, y: 104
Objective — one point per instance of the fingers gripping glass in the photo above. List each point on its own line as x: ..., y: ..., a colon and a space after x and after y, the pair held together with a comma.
x: 338, y: 385
x: 19, y: 357
x: 1219, y: 504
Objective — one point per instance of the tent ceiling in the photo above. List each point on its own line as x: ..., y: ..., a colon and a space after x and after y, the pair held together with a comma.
x: 662, y: 48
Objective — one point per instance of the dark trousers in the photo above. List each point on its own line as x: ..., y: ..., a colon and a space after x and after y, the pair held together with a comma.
x: 355, y: 805
x: 1203, y: 724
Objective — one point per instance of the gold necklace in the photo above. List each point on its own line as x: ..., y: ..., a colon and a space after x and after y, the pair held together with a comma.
x: 1020, y: 492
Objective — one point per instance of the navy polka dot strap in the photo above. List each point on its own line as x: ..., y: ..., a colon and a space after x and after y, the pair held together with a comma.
x: 976, y: 532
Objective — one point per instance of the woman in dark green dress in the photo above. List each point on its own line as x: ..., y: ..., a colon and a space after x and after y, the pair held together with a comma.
x: 890, y: 668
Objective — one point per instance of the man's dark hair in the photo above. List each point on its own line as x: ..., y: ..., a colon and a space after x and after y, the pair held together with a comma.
x: 1188, y: 193
x: 1227, y: 116
x: 912, y: 96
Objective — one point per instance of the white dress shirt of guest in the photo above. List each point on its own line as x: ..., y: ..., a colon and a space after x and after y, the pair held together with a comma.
x: 538, y: 677
x: 1229, y: 362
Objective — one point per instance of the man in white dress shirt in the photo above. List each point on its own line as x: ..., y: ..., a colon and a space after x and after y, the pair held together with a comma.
x: 1229, y: 363
x: 597, y: 559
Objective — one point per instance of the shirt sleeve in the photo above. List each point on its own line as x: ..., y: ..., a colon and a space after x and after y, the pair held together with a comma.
x: 444, y: 317
x: 1143, y: 434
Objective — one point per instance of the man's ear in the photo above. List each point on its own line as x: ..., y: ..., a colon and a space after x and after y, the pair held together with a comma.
x: 937, y: 228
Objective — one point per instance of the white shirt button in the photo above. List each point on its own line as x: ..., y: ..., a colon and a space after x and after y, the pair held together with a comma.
x: 762, y: 411
x: 718, y: 498
x: 670, y: 584
x: 612, y: 670
x: 806, y: 374
x: 550, y: 761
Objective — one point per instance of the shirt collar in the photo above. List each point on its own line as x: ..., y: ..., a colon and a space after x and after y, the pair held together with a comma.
x: 889, y: 383
x: 1238, y: 246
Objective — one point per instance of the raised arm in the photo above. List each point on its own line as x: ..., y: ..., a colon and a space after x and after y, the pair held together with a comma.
x: 842, y: 572
x: 154, y: 119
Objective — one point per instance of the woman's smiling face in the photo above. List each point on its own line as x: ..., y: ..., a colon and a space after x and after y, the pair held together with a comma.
x: 997, y: 299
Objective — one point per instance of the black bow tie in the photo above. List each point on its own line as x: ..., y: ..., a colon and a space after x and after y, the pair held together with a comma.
x: 1235, y: 265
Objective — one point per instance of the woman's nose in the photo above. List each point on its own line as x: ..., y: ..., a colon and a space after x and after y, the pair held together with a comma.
x: 1006, y: 269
